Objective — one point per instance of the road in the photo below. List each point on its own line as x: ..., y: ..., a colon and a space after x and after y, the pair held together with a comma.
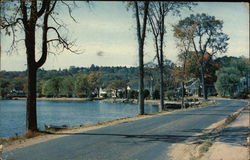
x: 146, y: 139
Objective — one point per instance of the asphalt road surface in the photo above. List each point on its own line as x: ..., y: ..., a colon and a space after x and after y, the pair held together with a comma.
x: 146, y: 139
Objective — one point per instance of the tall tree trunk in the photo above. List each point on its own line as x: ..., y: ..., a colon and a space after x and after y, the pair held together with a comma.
x: 183, y: 81
x: 161, y: 65
x: 31, y: 115
x: 141, y: 81
x: 182, y: 95
x: 203, y: 83
x: 141, y: 34
x: 161, y: 89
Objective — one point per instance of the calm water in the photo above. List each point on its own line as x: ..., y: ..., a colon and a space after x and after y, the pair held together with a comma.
x: 70, y: 113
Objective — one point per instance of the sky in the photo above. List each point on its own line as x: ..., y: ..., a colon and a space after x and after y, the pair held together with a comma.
x: 105, y: 33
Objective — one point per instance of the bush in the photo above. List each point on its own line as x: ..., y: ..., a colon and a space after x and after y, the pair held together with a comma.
x: 133, y: 94
x: 205, y: 146
x: 170, y: 94
x: 146, y: 94
x: 243, y: 94
x: 228, y: 78
x: 156, y: 94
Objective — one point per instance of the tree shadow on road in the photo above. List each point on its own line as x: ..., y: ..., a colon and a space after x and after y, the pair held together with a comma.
x: 169, y: 138
x: 234, y: 135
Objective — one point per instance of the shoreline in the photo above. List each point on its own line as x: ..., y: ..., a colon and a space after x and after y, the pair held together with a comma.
x: 113, y: 100
x: 12, y: 143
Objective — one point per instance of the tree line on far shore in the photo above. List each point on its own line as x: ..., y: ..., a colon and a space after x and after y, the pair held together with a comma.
x: 224, y: 73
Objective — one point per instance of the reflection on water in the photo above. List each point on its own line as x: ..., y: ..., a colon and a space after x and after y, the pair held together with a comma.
x: 70, y: 113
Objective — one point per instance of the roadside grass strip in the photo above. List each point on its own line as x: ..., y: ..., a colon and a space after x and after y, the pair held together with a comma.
x: 206, y: 140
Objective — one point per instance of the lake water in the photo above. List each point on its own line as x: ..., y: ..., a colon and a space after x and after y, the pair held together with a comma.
x: 70, y: 113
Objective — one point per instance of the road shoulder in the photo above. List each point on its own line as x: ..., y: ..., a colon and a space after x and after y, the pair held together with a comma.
x: 228, y: 146
x: 213, y: 144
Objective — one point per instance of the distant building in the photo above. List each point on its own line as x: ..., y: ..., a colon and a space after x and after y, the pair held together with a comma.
x: 17, y: 93
x: 244, y: 84
x: 194, y: 86
x: 103, y: 93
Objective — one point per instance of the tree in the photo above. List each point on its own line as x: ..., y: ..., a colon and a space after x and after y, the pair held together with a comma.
x: 207, y: 38
x: 157, y: 14
x: 117, y: 84
x: 183, y: 43
x: 52, y: 87
x: 4, y: 88
x: 141, y: 14
x: 30, y: 16
x: 228, y: 79
x: 151, y: 76
x: 229, y: 75
x: 82, y: 85
x: 67, y: 86
x: 94, y: 82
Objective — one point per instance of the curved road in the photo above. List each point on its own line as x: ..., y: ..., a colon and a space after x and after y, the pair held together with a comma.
x: 146, y: 139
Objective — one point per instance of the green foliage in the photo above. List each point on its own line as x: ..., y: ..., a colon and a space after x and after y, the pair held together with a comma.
x: 146, y: 93
x: 52, y: 87
x: 241, y: 64
x: 228, y: 79
x: 156, y: 94
x: 81, y: 85
x: 67, y: 86
x: 93, y: 80
x: 205, y: 146
x: 40, y: 88
x: 82, y: 82
x: 243, y: 94
x: 132, y: 94
x: 117, y: 84
x: 207, y: 27
x: 4, y: 88
x: 170, y: 94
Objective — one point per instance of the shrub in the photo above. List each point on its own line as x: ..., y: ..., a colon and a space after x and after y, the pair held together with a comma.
x: 156, y: 94
x: 133, y: 94
x: 205, y: 146
x: 146, y: 94
x: 170, y: 94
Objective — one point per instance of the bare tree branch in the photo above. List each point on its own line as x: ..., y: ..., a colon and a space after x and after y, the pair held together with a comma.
x: 42, y: 10
x: 138, y: 20
x: 24, y: 11
x: 70, y: 11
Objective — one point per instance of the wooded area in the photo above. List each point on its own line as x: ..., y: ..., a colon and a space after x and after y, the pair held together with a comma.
x: 225, y: 73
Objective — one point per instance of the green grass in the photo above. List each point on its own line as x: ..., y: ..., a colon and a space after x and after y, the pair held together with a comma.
x: 205, y: 145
